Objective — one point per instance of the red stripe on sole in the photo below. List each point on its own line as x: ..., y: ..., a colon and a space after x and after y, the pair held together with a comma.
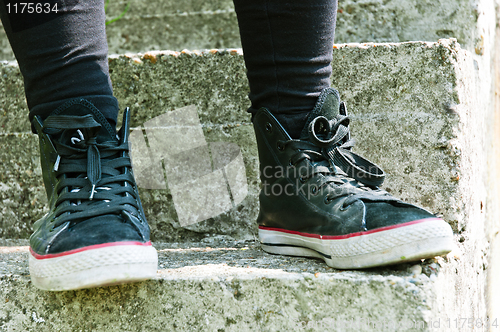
x: 95, y: 246
x: 340, y: 237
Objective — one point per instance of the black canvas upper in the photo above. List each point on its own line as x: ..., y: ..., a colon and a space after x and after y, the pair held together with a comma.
x: 334, y: 191
x: 87, y: 172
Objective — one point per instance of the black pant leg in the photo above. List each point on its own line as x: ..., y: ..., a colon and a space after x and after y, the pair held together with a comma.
x: 61, y: 55
x: 287, y: 46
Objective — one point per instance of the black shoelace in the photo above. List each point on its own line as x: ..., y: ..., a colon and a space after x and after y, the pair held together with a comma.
x: 94, y: 178
x: 328, y: 150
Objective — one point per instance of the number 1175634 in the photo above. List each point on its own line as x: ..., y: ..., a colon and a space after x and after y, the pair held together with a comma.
x: 31, y: 8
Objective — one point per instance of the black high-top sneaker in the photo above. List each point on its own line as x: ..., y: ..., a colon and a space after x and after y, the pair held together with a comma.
x: 319, y: 199
x: 95, y: 233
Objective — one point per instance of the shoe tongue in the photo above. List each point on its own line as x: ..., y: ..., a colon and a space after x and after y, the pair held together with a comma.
x: 327, y: 105
x: 84, y: 107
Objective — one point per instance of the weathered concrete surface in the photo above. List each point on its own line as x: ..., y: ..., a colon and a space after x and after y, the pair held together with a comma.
x: 220, y: 284
x: 453, y: 154
x: 408, y: 102
x: 23, y: 197
x: 407, y: 20
x: 493, y: 227
x: 357, y: 21
x: 177, y: 25
x: 13, y: 108
x: 420, y: 111
x: 199, y: 30
x: 164, y: 25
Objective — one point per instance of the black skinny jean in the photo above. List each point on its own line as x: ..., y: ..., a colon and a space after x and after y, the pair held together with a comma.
x: 287, y: 47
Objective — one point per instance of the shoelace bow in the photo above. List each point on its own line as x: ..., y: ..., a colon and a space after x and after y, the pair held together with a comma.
x: 98, y: 186
x: 329, y: 145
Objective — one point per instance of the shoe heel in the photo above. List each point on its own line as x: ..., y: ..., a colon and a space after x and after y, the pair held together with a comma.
x: 290, y: 251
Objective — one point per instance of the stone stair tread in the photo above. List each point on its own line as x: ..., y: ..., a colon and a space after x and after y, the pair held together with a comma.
x: 220, y: 284
x: 223, y: 257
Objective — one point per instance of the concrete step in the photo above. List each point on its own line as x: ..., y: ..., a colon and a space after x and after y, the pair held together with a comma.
x: 420, y: 110
x: 195, y: 24
x: 220, y: 284
x: 410, y: 105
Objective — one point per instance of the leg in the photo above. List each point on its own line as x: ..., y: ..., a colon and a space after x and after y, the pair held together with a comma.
x: 95, y: 233
x: 62, y: 55
x: 319, y: 199
x: 288, y: 50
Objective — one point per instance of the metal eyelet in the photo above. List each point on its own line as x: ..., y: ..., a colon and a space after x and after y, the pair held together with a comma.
x: 327, y: 200
x: 343, y: 208
x: 314, y: 190
x: 301, y: 179
x: 269, y: 127
x: 290, y: 163
x: 280, y: 146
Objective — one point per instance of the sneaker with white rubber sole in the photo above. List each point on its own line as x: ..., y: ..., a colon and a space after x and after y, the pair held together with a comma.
x: 319, y: 199
x: 95, y: 233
